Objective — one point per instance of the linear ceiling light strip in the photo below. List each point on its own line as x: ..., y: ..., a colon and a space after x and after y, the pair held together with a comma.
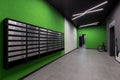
x: 88, y: 13
x: 89, y: 10
x: 91, y: 24
x: 93, y: 7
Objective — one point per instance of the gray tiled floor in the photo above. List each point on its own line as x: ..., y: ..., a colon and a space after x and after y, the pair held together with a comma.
x: 80, y: 64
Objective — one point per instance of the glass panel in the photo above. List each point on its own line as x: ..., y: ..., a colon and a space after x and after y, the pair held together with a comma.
x: 16, y: 48
x: 16, y: 58
x: 16, y: 23
x: 16, y: 53
x: 16, y: 43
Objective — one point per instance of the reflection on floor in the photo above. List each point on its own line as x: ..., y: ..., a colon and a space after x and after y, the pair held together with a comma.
x: 80, y: 64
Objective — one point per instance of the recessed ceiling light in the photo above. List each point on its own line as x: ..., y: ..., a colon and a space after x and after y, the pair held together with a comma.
x: 91, y: 24
x: 91, y: 10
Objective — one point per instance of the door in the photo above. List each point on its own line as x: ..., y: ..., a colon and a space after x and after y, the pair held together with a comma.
x: 112, y: 41
x: 80, y: 41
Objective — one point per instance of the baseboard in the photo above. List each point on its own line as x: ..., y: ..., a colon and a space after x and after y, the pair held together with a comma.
x: 91, y: 48
x: 71, y: 51
x: 45, y: 65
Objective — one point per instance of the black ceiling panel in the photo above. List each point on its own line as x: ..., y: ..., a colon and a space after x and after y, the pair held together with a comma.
x: 69, y: 7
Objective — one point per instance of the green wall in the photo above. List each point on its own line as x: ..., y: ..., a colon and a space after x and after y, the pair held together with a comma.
x: 94, y: 36
x: 36, y: 12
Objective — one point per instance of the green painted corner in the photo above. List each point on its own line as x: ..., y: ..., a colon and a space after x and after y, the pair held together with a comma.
x: 36, y: 12
x: 94, y: 36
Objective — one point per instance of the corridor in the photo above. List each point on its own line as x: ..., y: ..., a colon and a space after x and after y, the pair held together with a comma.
x: 81, y: 64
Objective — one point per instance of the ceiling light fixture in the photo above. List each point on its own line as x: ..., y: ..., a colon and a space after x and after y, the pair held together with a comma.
x: 79, y: 15
x: 91, y: 24
x: 91, y: 10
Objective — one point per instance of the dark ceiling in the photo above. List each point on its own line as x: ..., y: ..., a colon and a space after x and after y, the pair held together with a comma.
x: 69, y: 7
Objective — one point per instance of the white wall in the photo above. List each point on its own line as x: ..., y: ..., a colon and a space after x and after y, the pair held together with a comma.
x: 70, y: 37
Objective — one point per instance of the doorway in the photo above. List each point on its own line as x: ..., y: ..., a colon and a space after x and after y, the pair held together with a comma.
x: 112, y: 41
x: 82, y: 41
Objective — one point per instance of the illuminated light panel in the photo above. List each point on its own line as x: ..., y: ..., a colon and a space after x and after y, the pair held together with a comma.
x: 91, y: 24
x: 91, y: 10
x: 97, y: 10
